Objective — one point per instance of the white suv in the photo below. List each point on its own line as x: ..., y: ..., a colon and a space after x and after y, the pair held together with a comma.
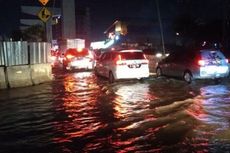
x: 122, y: 64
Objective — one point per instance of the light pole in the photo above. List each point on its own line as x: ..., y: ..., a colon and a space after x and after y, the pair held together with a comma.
x: 161, y: 27
x: 51, y: 24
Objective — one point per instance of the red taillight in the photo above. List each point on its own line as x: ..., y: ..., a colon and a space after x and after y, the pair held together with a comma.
x: 90, y: 55
x: 201, y: 62
x: 79, y: 49
x: 69, y: 56
x: 145, y: 62
x: 53, y: 58
x: 119, y: 57
x: 119, y: 61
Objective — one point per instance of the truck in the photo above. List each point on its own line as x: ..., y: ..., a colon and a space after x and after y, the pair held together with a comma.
x: 76, y: 43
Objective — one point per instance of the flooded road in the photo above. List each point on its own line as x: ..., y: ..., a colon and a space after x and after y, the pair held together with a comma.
x: 79, y: 112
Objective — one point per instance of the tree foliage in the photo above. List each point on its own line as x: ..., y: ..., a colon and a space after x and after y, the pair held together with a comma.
x: 194, y: 31
x: 34, y: 33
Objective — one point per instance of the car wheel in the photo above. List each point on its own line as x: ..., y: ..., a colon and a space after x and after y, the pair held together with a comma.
x: 187, y: 77
x: 158, y: 72
x: 111, y: 77
x: 218, y: 80
x: 141, y: 80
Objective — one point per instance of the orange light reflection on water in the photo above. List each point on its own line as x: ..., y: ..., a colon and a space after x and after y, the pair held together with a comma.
x: 80, y: 114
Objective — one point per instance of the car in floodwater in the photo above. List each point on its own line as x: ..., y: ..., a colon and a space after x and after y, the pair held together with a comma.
x: 190, y: 65
x: 80, y: 58
x: 122, y: 64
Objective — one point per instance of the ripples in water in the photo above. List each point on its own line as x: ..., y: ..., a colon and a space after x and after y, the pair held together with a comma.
x: 80, y: 113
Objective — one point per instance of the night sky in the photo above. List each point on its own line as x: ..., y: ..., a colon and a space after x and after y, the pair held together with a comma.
x: 105, y: 12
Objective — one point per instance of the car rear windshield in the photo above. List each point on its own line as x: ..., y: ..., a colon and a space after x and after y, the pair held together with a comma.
x: 132, y: 55
x: 212, y: 55
x: 77, y: 53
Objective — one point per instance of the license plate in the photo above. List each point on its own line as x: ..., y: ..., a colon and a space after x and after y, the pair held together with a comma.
x: 134, y: 65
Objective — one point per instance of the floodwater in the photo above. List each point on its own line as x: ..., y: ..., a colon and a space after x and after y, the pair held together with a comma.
x: 79, y: 112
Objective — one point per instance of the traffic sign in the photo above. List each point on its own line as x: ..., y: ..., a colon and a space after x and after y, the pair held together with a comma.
x: 44, y: 2
x: 44, y: 14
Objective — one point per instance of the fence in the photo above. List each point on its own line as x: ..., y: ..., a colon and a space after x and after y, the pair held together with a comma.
x: 22, y: 53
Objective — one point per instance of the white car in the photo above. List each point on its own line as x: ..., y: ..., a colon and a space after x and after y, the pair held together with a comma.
x: 122, y: 64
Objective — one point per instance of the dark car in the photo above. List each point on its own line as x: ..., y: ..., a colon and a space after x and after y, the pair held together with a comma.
x: 189, y: 65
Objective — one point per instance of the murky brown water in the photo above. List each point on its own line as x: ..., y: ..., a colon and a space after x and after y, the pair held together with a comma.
x: 79, y: 112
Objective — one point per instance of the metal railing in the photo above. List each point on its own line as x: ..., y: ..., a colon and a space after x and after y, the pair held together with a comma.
x: 22, y: 53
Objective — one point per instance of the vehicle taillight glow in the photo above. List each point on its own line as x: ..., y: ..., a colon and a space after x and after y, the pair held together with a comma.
x: 201, y: 62
x: 145, y: 62
x: 79, y: 49
x: 120, y: 63
x: 69, y: 56
x: 119, y: 57
x: 119, y: 60
x: 90, y: 55
x: 53, y: 58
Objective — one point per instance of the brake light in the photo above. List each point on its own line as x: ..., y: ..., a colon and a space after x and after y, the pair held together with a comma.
x: 69, y: 56
x: 53, y: 58
x: 79, y: 49
x: 201, y: 62
x: 145, y: 62
x: 90, y: 55
x: 119, y: 60
x: 120, y: 63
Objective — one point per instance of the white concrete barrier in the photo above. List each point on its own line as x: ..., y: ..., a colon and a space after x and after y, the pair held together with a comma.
x: 3, y: 83
x: 41, y: 73
x: 19, y: 76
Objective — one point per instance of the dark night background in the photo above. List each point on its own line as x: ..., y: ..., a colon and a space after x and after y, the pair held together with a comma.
x: 193, y: 19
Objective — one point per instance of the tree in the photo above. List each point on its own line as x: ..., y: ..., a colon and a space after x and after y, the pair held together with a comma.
x: 16, y: 35
x: 193, y: 31
x: 34, y: 33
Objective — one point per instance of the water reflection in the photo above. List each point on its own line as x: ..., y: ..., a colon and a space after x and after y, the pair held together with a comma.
x: 94, y: 116
x: 216, y: 102
x: 211, y: 108
x: 80, y: 116
x: 131, y: 99
x: 78, y: 113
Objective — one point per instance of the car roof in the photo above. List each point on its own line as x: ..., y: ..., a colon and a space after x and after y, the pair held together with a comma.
x: 122, y: 51
x: 75, y: 51
x: 209, y: 50
x: 129, y: 50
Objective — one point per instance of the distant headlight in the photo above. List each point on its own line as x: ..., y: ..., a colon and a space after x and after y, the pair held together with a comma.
x: 158, y: 55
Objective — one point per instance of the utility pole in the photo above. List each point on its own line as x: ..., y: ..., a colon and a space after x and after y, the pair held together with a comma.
x: 161, y: 27
x: 225, y: 23
x: 51, y: 25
